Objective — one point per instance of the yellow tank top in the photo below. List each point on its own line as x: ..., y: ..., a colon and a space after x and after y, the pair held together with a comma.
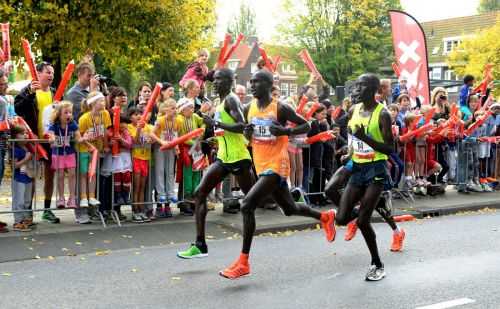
x: 270, y: 153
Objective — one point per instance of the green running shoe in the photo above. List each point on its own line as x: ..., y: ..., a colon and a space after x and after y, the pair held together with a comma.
x: 193, y: 252
x: 50, y: 217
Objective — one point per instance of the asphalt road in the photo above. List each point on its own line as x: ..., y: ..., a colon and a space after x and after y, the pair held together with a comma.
x: 452, y: 258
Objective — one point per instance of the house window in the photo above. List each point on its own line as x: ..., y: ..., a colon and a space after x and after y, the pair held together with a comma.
x: 233, y: 65
x: 450, y: 44
x: 450, y: 75
x: 293, y: 89
x: 253, y: 67
x: 435, y: 51
x: 436, y: 73
x: 284, y: 89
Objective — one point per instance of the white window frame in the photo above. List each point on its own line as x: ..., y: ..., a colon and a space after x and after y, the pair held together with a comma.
x: 253, y: 67
x: 284, y: 90
x: 233, y: 64
x: 455, y: 42
x: 293, y: 89
x: 436, y: 71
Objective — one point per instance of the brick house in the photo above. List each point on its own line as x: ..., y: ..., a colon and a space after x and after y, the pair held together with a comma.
x: 244, y: 63
x: 444, y: 35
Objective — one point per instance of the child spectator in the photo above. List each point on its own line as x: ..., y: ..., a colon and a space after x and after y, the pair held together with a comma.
x: 166, y: 130
x: 421, y: 153
x: 404, y: 107
x: 122, y: 168
x: 187, y: 121
x: 93, y: 126
x: 142, y: 136
x: 197, y: 71
x: 63, y: 132
x: 397, y: 166
x: 484, y: 149
x: 408, y: 153
x: 22, y: 184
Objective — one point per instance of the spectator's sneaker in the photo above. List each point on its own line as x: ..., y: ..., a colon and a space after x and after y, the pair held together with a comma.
x: 187, y: 211
x: 61, y: 203
x: 474, y: 187
x: 137, y: 218
x: 195, y: 251
x: 95, y: 218
x: 3, y: 229
x: 168, y: 212
x: 50, y: 217
x: 3, y: 224
x: 84, y: 203
x: 482, y: 181
x: 328, y: 224
x: 236, y: 270
x: 29, y: 222
x: 162, y: 199
x: 486, y: 188
x: 160, y: 212
x: 71, y: 203
x: 21, y: 227
x: 144, y: 217
x: 83, y: 219
x: 375, y: 273
x: 173, y: 200
x: 491, y: 179
x: 352, y: 228
x: 150, y: 215
x: 94, y: 202
x: 397, y: 240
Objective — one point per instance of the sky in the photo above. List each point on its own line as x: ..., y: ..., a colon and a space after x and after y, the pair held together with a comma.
x: 270, y: 14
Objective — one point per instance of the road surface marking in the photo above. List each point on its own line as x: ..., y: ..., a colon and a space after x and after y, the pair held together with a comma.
x: 449, y: 304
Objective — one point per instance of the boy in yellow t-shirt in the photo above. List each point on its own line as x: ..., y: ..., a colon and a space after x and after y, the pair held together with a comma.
x: 93, y: 125
x: 143, y: 136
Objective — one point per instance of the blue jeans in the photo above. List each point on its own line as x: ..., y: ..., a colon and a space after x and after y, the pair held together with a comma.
x: 468, y: 162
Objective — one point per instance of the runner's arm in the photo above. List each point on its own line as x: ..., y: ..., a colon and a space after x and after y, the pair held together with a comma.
x: 286, y: 113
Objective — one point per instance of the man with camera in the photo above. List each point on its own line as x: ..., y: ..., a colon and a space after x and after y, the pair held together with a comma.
x: 87, y: 82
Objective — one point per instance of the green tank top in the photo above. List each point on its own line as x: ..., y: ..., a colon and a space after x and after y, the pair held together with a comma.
x: 363, y: 153
x: 232, y: 146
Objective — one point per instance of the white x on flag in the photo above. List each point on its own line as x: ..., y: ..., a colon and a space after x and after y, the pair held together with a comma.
x: 409, y: 52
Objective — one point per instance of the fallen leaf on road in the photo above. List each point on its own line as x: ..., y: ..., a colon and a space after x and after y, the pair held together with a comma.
x: 50, y: 257
x: 70, y: 254
x: 137, y: 253
x: 31, y: 277
x: 229, y: 237
x: 106, y: 241
x: 90, y: 233
x: 176, y: 278
x: 102, y: 252
x: 83, y: 258
x: 64, y: 249
x: 7, y: 274
x: 172, y: 242
x: 318, y: 227
x: 78, y: 243
x: 37, y: 257
x: 30, y: 248
x: 210, y: 237
x: 134, y: 270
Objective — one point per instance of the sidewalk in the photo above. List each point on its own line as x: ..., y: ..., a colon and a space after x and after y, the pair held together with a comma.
x: 70, y: 239
x: 267, y: 220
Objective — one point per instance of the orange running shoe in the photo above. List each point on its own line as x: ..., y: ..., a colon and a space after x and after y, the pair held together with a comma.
x: 328, y: 224
x: 352, y: 228
x: 236, y: 270
x: 397, y: 241
x: 491, y: 179
x: 483, y: 180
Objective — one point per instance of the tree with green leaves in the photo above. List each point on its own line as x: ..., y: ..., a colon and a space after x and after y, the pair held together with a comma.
x: 344, y: 37
x: 488, y: 6
x: 244, y: 22
x: 131, y: 34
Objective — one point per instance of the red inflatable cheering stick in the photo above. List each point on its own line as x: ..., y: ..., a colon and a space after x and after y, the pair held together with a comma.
x: 184, y: 138
x: 320, y: 137
x: 233, y: 48
x: 41, y: 153
x: 115, y: 150
x: 151, y: 102
x: 477, y: 124
x: 302, y: 105
x: 28, y: 55
x: 65, y: 80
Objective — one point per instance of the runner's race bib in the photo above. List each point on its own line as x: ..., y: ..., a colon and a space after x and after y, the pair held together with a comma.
x: 261, y: 130
x: 361, y: 149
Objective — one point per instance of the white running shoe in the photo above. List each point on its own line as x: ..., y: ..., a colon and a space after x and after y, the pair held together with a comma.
x: 84, y: 202
x: 94, y: 202
x: 375, y: 273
